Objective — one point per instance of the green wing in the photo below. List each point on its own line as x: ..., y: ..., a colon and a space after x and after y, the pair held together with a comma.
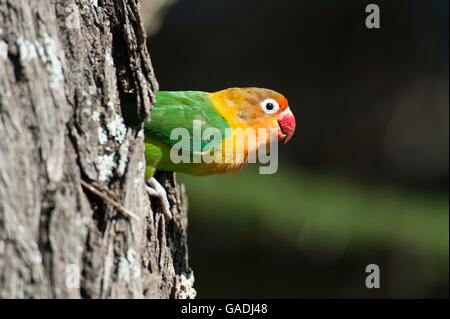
x: 179, y: 110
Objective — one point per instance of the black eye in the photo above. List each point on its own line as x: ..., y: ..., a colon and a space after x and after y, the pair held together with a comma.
x: 270, y: 106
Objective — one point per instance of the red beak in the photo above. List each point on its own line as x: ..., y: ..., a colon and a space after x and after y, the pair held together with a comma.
x: 286, y: 121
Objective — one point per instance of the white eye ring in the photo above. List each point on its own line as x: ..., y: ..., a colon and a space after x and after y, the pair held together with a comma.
x: 270, y: 106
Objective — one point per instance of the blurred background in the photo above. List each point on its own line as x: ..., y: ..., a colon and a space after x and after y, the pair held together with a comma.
x: 364, y: 179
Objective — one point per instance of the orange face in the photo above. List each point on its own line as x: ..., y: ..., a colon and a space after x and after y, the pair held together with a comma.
x: 256, y: 108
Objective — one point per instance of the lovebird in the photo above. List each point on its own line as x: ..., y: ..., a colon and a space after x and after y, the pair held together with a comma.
x: 217, y: 116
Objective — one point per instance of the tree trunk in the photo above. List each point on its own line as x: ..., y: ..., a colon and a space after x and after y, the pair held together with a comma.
x: 75, y: 220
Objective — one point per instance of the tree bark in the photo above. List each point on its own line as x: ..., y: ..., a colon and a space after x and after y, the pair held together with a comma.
x: 75, y: 220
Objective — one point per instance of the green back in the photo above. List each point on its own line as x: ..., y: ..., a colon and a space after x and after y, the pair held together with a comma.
x: 179, y: 110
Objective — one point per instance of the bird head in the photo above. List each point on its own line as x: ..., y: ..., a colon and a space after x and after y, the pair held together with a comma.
x: 258, y: 108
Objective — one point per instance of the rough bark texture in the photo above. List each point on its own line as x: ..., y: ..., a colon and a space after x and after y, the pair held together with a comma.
x: 63, y: 67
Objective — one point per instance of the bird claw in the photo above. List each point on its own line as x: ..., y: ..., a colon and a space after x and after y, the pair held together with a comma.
x: 155, y: 189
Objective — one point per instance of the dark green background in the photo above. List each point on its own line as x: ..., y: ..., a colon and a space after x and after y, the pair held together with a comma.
x: 365, y: 178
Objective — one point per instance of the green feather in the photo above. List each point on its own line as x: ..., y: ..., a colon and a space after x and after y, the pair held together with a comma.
x: 178, y: 110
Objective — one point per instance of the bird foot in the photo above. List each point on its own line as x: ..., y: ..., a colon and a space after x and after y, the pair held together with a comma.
x: 155, y: 189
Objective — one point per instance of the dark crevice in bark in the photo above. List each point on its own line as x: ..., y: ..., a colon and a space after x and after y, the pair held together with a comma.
x: 18, y: 72
x: 98, y: 212
x: 44, y: 243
